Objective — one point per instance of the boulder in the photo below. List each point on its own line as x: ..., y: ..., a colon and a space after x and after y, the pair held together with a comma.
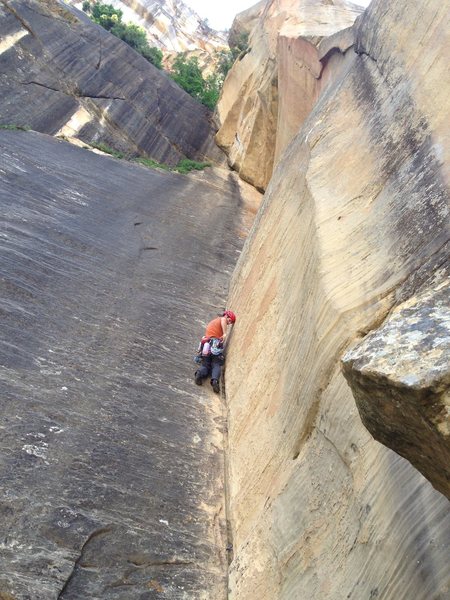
x: 400, y: 377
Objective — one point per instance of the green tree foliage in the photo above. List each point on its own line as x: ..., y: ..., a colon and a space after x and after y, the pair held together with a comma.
x: 184, y: 166
x: 105, y: 15
x: 187, y: 73
x: 211, y: 93
x: 225, y: 61
x: 111, y: 19
x: 132, y: 35
x: 239, y: 45
x: 226, y: 58
x: 153, y: 55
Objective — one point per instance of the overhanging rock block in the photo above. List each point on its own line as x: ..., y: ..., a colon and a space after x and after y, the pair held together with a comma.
x: 400, y: 377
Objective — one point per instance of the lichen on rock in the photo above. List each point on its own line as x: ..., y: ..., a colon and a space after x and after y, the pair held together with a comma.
x: 400, y: 377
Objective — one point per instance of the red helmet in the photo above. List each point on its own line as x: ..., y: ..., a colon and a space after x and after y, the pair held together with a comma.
x: 230, y: 314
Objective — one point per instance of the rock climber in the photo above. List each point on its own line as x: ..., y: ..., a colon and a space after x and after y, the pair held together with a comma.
x: 210, y: 353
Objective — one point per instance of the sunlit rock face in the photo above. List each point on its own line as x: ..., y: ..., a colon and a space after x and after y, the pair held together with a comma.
x: 173, y: 27
x: 170, y: 24
x: 271, y: 89
x: 400, y: 376
x: 62, y: 74
x: 354, y: 223
x: 244, y: 22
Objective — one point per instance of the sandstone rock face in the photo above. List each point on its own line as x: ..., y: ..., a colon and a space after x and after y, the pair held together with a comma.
x: 400, y: 376
x: 355, y: 221
x: 171, y: 25
x: 244, y: 22
x: 111, y: 470
x: 60, y: 72
x: 270, y: 91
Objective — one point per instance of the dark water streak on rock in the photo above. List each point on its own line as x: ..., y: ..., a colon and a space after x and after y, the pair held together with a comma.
x: 66, y: 63
x: 102, y: 428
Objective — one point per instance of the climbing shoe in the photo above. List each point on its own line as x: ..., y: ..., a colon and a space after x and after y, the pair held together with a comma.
x: 198, y: 378
x: 215, y: 385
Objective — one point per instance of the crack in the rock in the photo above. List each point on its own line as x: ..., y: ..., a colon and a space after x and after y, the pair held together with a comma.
x: 93, y: 535
x: 75, y: 95
x: 308, y: 425
x: 160, y: 563
x: 360, y: 51
x: 326, y: 57
x: 81, y: 95
x: 18, y: 17
x: 100, y: 57
x: 48, y: 87
x: 122, y: 583
x: 344, y: 462
x: 158, y: 107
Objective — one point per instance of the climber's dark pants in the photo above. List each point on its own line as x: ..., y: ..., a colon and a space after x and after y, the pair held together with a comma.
x: 211, y: 365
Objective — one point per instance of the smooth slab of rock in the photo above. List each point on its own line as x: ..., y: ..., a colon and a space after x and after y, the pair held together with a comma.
x: 111, y: 466
x: 400, y: 377
x: 64, y: 75
x: 171, y: 26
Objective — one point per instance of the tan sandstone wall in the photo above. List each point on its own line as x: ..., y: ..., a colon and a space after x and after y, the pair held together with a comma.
x: 355, y: 220
x: 273, y: 87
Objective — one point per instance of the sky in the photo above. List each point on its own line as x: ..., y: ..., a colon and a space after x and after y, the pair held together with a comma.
x: 220, y: 13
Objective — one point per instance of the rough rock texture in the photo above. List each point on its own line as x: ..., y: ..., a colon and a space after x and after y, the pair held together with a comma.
x: 354, y: 222
x: 273, y: 87
x: 244, y: 22
x: 400, y: 376
x: 60, y: 73
x: 170, y: 24
x: 111, y: 468
x: 173, y: 27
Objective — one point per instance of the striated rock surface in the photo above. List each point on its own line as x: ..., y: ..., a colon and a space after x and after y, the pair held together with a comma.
x: 62, y: 74
x: 170, y: 25
x: 244, y: 22
x: 111, y: 462
x: 355, y: 221
x: 400, y: 377
x: 273, y: 87
x: 173, y: 27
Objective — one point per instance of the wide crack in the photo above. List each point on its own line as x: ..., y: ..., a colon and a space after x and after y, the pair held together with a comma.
x: 78, y: 561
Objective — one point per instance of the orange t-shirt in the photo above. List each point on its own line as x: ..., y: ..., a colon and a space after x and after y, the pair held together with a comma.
x: 214, y: 328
